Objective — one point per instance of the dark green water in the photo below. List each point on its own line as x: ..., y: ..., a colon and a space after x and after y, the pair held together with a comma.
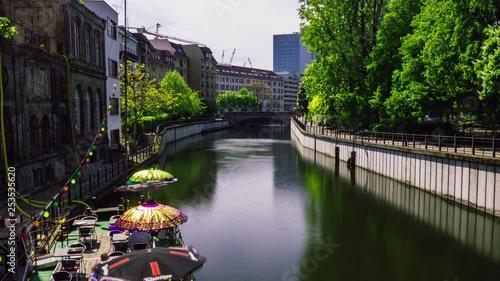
x: 261, y: 209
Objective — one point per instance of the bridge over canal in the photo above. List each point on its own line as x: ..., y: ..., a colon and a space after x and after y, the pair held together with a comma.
x: 238, y: 118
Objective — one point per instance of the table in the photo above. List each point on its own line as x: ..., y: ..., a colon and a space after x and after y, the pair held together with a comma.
x: 86, y: 223
x: 69, y: 253
x: 119, y: 237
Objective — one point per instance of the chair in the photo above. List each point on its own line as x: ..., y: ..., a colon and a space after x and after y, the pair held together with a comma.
x: 113, y: 219
x: 113, y: 232
x: 121, y: 246
x: 139, y: 246
x: 115, y: 254
x: 61, y: 276
x: 78, y: 245
x: 86, y: 234
x: 70, y: 265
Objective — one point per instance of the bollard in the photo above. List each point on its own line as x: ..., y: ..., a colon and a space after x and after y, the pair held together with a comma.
x: 337, y: 156
x: 351, y: 163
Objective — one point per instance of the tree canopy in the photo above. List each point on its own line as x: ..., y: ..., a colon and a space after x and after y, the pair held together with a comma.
x: 241, y: 100
x: 394, y: 62
x: 6, y: 31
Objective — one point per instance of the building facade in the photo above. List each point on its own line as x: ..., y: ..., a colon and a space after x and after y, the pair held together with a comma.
x: 234, y: 78
x: 201, y: 71
x: 289, y: 54
x: 112, y: 49
x: 290, y: 89
x: 54, y: 81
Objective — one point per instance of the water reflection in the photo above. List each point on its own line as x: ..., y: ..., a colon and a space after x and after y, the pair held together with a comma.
x: 262, y: 209
x: 388, y: 231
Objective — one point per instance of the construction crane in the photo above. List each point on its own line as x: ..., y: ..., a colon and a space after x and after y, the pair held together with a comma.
x: 250, y: 62
x: 232, y: 56
x: 158, y: 35
x: 222, y: 60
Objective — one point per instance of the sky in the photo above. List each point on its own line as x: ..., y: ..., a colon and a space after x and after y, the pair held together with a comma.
x: 245, y: 25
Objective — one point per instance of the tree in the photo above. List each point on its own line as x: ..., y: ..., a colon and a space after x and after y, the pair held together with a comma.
x: 302, y: 101
x: 263, y: 92
x: 384, y: 59
x: 243, y: 99
x: 437, y: 73
x: 341, y: 33
x: 181, y: 102
x: 488, y: 73
x: 143, y: 99
x: 6, y: 31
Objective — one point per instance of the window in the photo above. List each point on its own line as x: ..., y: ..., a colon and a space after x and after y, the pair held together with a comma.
x: 76, y: 38
x: 114, y: 104
x: 97, y: 45
x: 111, y: 29
x: 87, y: 44
x: 113, y: 68
x: 115, y: 137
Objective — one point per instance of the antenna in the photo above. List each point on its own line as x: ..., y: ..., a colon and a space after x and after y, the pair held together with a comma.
x: 244, y: 63
x: 250, y: 62
x: 222, y: 60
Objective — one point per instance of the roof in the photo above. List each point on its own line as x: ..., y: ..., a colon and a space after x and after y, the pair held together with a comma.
x: 179, y: 51
x: 235, y: 70
x: 162, y: 45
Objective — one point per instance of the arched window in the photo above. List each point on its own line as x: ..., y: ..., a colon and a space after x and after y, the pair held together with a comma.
x: 93, y: 109
x: 5, y: 79
x: 34, y: 137
x: 46, y: 135
x: 64, y: 130
x: 49, y: 173
x: 79, y: 111
x: 76, y: 37
x: 9, y: 140
x: 87, y: 111
x: 97, y: 46
x: 87, y: 43
x: 100, y: 105
x: 38, y: 177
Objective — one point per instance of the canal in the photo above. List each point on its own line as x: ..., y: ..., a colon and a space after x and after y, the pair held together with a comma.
x: 261, y: 208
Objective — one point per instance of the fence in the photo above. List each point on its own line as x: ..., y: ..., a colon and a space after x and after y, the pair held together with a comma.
x: 473, y: 145
x: 52, y: 226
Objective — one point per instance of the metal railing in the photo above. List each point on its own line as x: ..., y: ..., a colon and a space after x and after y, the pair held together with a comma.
x: 471, y: 145
x: 50, y: 226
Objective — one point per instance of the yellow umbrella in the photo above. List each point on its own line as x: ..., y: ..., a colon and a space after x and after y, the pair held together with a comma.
x: 151, y: 174
x: 150, y: 216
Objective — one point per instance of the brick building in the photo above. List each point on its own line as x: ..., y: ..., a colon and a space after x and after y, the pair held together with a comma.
x: 54, y: 88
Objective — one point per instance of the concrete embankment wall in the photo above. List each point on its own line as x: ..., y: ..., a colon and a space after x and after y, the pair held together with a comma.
x: 177, y: 133
x: 467, y: 179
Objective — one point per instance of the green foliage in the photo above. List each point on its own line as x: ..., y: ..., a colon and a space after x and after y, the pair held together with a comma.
x: 242, y: 100
x: 143, y: 98
x: 488, y: 72
x: 181, y: 102
x: 6, y: 31
x: 302, y: 101
x: 390, y: 63
x: 261, y: 90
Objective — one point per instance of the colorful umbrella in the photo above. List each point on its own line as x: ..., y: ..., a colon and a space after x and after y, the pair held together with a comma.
x: 153, y: 264
x: 150, y: 216
x: 151, y: 175
x: 147, y: 179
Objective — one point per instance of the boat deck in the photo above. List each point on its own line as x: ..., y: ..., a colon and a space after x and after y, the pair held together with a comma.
x: 90, y: 258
